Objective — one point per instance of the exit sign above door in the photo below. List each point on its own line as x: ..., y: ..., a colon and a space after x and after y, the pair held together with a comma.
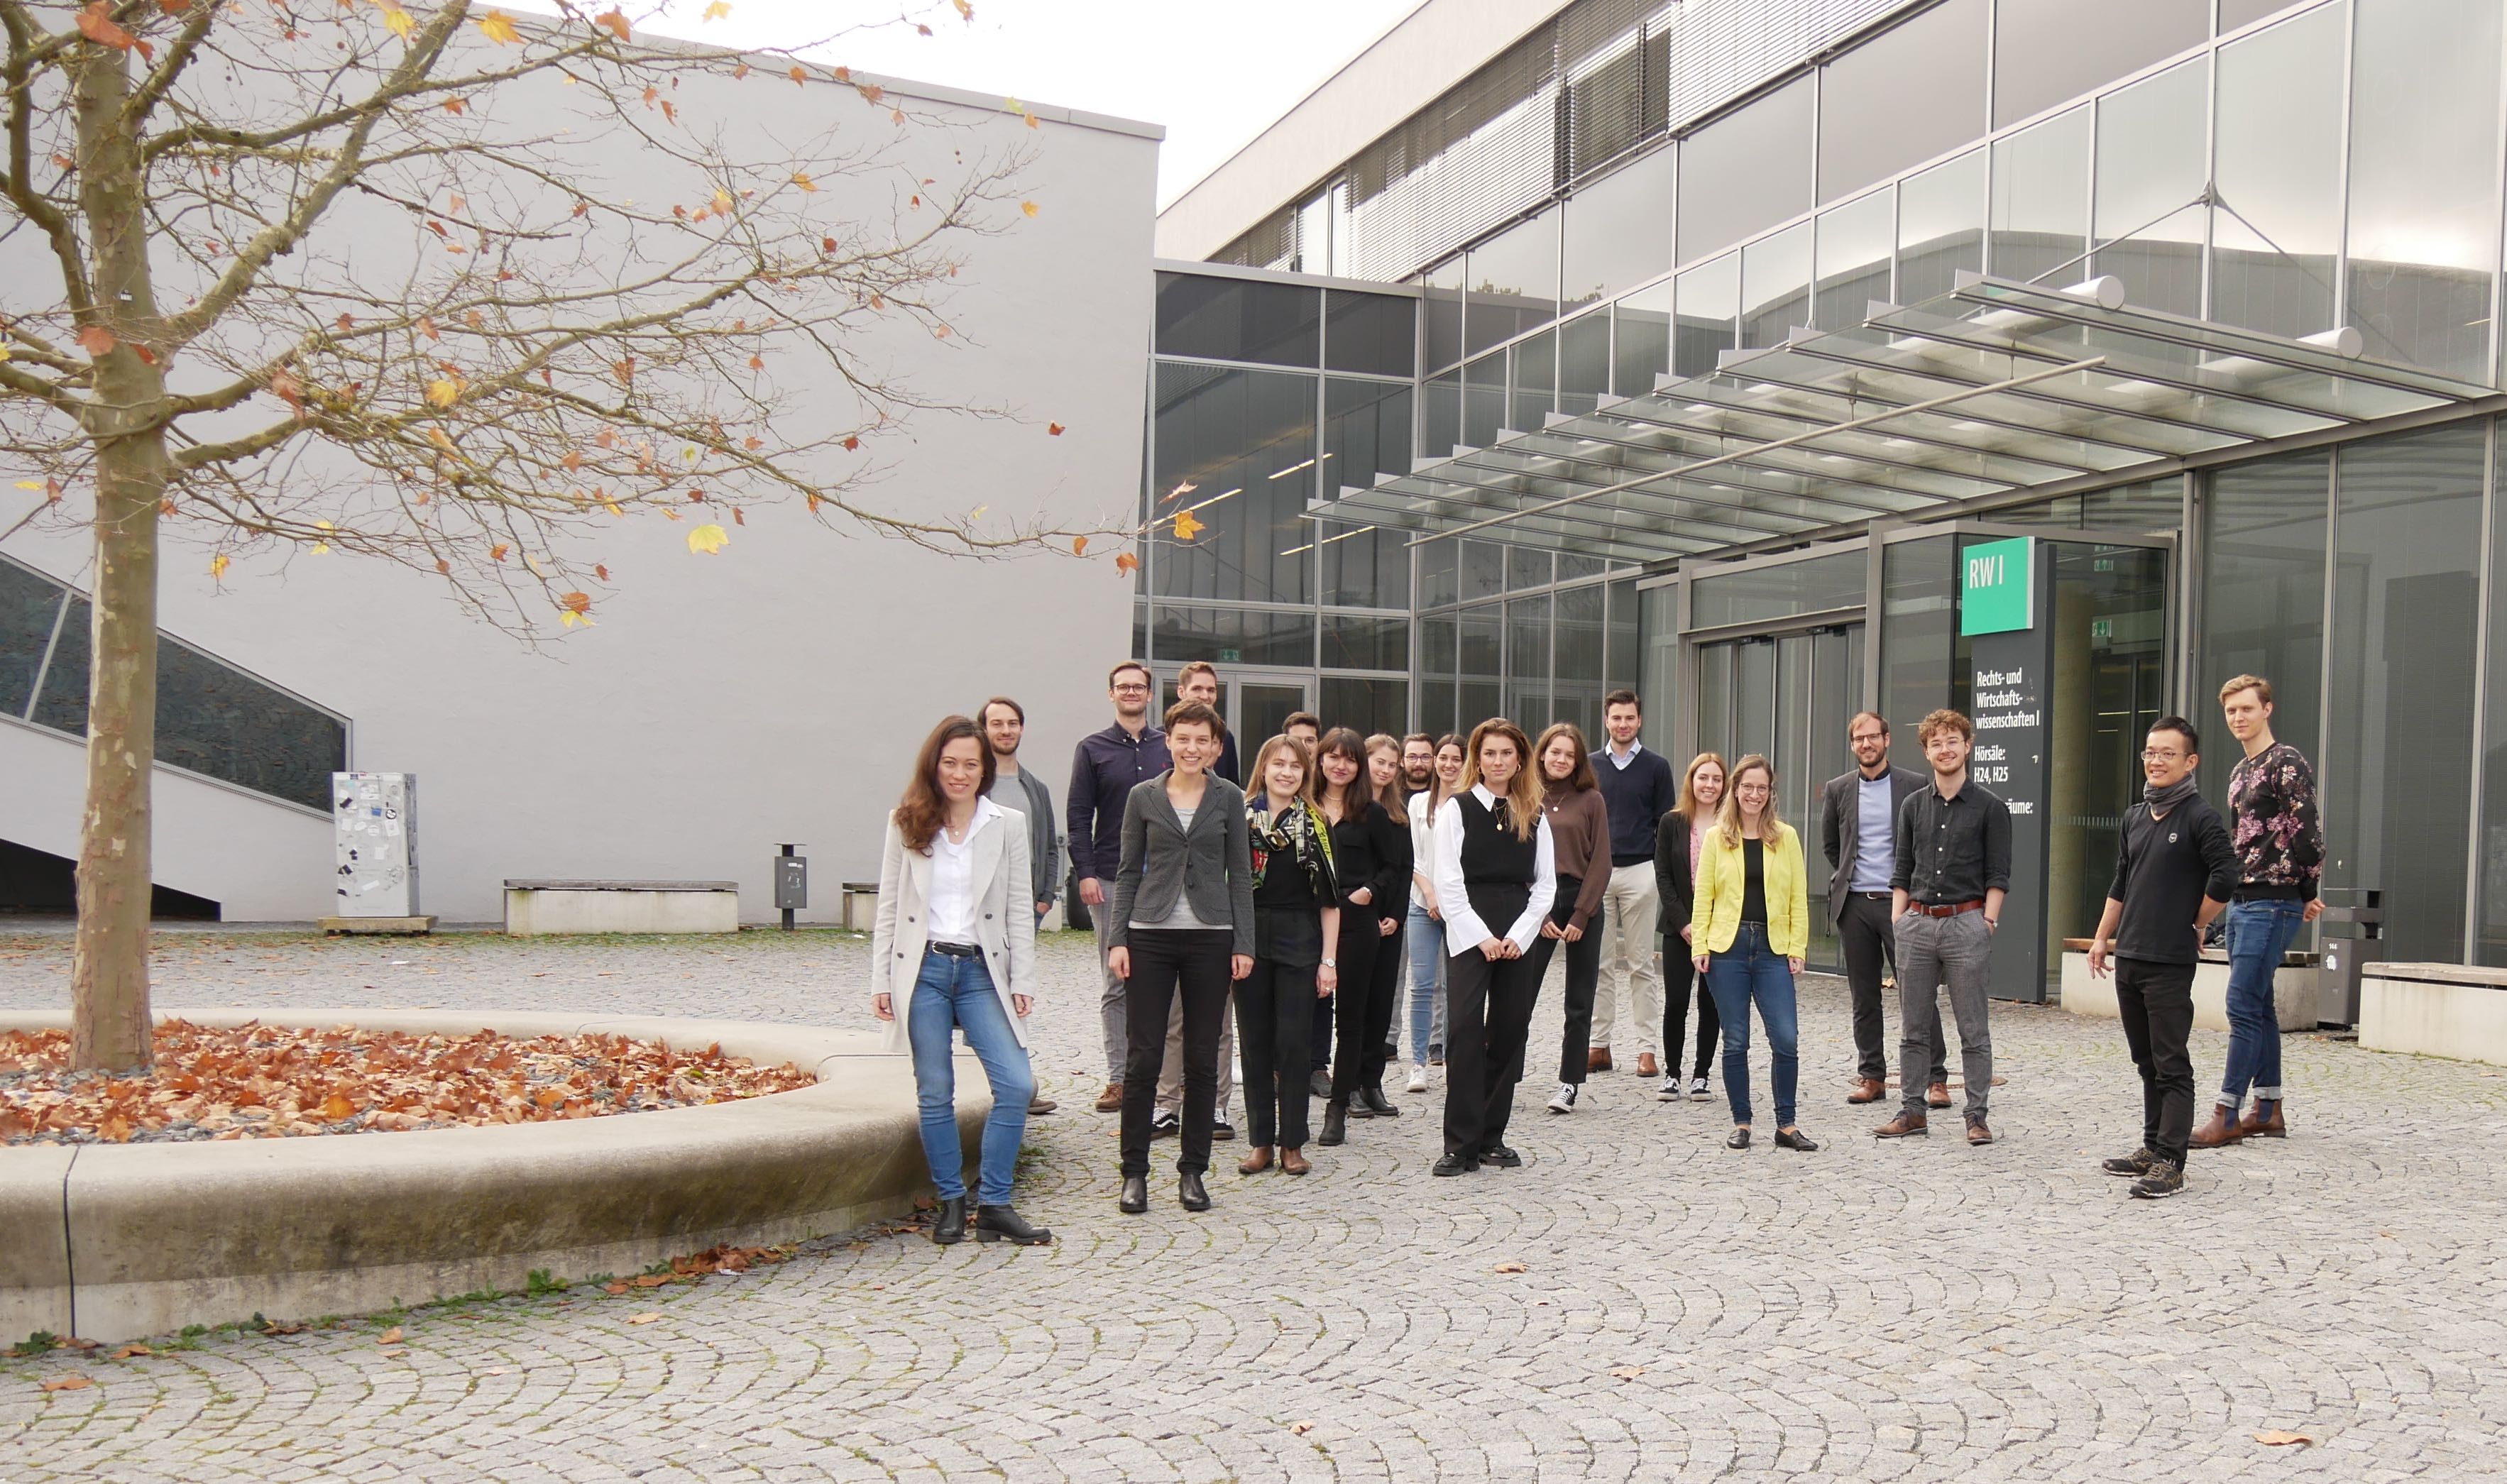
x: 1998, y: 586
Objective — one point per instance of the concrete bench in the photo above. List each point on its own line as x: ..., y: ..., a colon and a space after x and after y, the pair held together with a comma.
x: 2293, y: 988
x: 2456, y: 1010
x: 860, y: 903
x: 534, y: 908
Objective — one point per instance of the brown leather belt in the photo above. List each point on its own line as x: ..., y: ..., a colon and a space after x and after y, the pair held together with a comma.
x: 1951, y: 911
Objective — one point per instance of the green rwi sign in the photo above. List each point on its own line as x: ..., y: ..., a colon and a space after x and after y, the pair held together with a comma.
x: 1998, y: 586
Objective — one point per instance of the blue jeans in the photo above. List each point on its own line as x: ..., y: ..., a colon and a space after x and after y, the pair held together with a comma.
x: 2259, y: 932
x: 1427, y: 941
x: 1749, y: 970
x: 951, y: 992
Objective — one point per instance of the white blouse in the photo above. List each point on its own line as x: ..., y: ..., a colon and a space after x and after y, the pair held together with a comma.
x: 1465, y: 932
x: 953, y: 880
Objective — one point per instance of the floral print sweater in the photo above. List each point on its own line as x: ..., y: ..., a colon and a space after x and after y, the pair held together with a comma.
x: 2273, y: 826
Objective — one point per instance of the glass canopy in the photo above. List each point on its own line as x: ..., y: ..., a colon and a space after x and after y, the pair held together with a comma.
x: 1992, y: 388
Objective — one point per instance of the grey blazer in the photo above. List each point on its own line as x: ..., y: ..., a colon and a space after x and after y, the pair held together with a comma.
x: 1211, y: 864
x: 1841, y: 825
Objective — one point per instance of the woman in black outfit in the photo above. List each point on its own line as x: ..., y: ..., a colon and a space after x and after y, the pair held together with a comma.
x: 1679, y: 844
x: 1297, y: 915
x: 1371, y: 859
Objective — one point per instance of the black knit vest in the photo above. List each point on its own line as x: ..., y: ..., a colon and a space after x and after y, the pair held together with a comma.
x: 1498, y: 868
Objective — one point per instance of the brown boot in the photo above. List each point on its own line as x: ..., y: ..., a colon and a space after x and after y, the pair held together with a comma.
x: 2223, y: 1128
x: 1110, y: 1100
x: 1257, y: 1162
x: 2252, y: 1126
x: 1902, y: 1125
x: 1868, y: 1090
x: 1294, y: 1161
x: 1938, y: 1095
x: 1597, y: 1059
x: 1645, y: 1066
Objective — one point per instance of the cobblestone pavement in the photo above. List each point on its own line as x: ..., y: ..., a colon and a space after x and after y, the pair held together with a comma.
x: 1910, y: 1311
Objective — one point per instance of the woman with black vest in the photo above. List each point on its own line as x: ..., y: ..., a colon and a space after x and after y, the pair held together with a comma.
x: 1181, y: 920
x: 1372, y: 857
x: 1495, y: 878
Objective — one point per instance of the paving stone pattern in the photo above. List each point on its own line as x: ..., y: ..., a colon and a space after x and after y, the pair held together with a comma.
x: 1909, y: 1310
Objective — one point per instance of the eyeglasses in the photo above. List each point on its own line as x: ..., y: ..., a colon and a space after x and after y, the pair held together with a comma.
x: 1131, y: 690
x: 2161, y: 755
x: 1859, y: 737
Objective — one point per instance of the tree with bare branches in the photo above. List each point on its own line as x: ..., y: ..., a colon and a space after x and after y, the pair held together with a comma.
x: 443, y: 287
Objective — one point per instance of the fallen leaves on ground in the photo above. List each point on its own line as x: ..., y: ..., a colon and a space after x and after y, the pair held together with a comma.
x: 1509, y: 1267
x: 128, y: 1351
x: 73, y: 1382
x: 389, y: 1336
x: 256, y: 1081
x: 1629, y: 1372
x: 646, y: 1318
x: 2274, y: 1438
x: 1301, y: 1428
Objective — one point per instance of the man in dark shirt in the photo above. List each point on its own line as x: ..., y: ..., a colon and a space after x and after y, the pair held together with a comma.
x: 1638, y: 789
x: 1951, y: 873
x: 1103, y: 767
x: 1199, y: 681
x: 2174, y: 872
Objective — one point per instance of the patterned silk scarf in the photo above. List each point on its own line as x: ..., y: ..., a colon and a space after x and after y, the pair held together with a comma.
x: 1299, y: 834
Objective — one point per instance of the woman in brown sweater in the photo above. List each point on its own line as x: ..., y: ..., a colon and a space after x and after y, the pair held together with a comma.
x: 1579, y: 826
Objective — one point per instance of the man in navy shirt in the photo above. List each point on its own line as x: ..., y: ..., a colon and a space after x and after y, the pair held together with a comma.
x: 1637, y: 790
x: 1103, y: 767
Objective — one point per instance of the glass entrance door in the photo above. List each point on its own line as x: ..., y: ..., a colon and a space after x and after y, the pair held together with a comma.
x: 1261, y: 707
x: 1787, y: 696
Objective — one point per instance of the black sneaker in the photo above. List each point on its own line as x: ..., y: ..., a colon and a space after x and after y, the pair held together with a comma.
x: 1220, y: 1127
x: 1502, y: 1157
x: 2137, y: 1163
x: 1454, y: 1164
x: 2166, y: 1178
x: 1165, y: 1126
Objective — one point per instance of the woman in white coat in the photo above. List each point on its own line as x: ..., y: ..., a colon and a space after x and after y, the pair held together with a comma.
x: 949, y: 952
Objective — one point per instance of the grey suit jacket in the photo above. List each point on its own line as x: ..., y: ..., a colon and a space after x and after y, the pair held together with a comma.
x: 1841, y: 825
x: 1211, y: 864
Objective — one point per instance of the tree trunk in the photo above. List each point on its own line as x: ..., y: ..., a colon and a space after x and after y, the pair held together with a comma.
x: 110, y: 1020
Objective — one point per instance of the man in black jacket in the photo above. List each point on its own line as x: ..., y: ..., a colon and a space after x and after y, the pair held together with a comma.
x: 2174, y: 873
x: 1858, y: 827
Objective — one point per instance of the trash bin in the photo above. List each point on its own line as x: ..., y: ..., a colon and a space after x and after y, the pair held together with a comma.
x: 2353, y: 939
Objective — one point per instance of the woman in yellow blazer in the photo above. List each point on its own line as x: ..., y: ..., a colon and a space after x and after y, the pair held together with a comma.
x: 1748, y: 928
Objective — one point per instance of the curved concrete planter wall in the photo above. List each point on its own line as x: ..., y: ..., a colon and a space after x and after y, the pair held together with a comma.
x: 113, y: 1241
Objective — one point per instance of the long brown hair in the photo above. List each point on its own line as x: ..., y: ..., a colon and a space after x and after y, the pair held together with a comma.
x: 1258, y: 780
x: 1686, y: 807
x: 1390, y: 795
x: 1575, y: 781
x: 1343, y: 742
x: 1436, y: 794
x: 1771, y: 830
x: 1523, y: 795
x: 921, y: 812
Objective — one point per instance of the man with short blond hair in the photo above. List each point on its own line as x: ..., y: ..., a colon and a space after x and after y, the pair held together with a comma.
x: 1198, y: 681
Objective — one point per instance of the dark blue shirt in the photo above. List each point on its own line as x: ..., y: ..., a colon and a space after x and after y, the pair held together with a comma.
x: 1637, y: 797
x: 1104, y: 767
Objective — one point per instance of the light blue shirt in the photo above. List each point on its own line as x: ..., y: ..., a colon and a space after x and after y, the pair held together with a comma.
x: 1619, y: 759
x: 1875, y: 836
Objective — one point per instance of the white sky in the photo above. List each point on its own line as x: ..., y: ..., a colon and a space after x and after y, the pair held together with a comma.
x: 1215, y: 72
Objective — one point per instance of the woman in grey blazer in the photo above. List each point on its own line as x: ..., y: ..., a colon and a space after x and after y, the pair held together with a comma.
x: 953, y: 947
x: 1181, y: 920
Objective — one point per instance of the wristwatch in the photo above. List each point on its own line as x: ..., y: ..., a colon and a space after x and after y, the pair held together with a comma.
x: 1331, y: 963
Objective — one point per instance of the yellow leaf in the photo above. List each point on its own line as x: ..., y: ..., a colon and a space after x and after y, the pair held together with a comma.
x: 1030, y: 207
x: 965, y: 9
x: 1186, y: 529
x: 218, y: 564
x: 707, y: 539
x: 804, y: 182
x: 403, y: 25
x: 721, y: 203
x: 718, y: 10
x: 324, y: 525
x: 30, y: 483
x: 498, y: 27
x: 321, y: 549
x: 3, y: 352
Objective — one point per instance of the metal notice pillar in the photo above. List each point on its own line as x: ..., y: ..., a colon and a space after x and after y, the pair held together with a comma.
x: 2005, y: 610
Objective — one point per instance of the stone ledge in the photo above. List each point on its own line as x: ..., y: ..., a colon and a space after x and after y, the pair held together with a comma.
x: 114, y: 1241
x: 2448, y: 1010
x: 2293, y: 993
x: 538, y: 908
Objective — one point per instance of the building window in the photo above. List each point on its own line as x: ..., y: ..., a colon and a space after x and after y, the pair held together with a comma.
x: 1512, y: 283
x: 2277, y: 167
x: 2263, y: 592
x: 1234, y: 320
x: 1911, y: 92
x: 2046, y: 51
x: 1746, y: 171
x: 2151, y: 175
x: 1245, y: 442
x: 2041, y: 201
x: 1855, y: 242
x: 1941, y: 227
x: 1371, y: 334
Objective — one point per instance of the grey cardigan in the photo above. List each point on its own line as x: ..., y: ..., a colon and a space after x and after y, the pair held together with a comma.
x: 1211, y: 864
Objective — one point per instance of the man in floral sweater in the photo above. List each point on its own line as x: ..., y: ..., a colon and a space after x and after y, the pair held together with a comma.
x: 2280, y: 842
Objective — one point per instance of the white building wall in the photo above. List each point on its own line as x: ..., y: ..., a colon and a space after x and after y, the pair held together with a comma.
x: 774, y: 692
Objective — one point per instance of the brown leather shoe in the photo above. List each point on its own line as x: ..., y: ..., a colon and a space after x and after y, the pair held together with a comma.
x: 1294, y: 1161
x: 1868, y: 1090
x: 2251, y: 1126
x: 1977, y: 1133
x: 1597, y: 1059
x: 1938, y: 1095
x: 1645, y: 1066
x: 1255, y: 1162
x: 1110, y: 1100
x: 2222, y: 1128
x: 1903, y: 1126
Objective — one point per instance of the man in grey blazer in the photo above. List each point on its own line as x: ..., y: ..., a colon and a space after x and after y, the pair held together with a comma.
x: 1858, y: 826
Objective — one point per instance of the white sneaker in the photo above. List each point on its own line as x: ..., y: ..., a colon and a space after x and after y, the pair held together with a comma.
x: 1669, y: 1092
x: 1565, y: 1100
x: 1697, y: 1091
x: 1418, y: 1078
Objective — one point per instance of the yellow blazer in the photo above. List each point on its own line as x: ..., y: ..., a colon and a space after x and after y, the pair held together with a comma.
x: 1715, y: 918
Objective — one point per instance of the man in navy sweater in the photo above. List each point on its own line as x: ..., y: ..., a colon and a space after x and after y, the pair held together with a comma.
x: 1638, y: 789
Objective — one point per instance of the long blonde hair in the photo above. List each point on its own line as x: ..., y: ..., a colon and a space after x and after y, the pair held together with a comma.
x: 1728, y: 817
x: 1523, y: 793
x: 1258, y: 780
x: 1686, y: 807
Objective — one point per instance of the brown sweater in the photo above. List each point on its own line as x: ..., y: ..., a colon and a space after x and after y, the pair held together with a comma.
x: 1579, y: 828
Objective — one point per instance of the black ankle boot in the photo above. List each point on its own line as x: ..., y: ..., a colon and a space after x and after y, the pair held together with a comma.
x: 1377, y: 1105
x: 1188, y: 1191
x: 1335, y: 1123
x: 1136, y: 1195
x: 950, y: 1226
x: 999, y: 1224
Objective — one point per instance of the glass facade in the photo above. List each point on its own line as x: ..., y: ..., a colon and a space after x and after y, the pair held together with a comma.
x: 212, y: 719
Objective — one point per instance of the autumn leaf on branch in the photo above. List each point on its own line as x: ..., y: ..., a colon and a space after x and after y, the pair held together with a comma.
x: 707, y: 539
x: 1185, y: 526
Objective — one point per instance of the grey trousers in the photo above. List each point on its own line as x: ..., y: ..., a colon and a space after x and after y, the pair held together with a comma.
x: 1110, y: 1004
x: 1934, y: 955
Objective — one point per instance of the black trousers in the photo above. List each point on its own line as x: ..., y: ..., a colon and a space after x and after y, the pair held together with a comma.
x: 1327, y: 1013
x: 1391, y: 958
x: 1584, y: 976
x: 1488, y: 1012
x: 1359, y: 1020
x: 1679, y: 978
x: 2157, y: 1002
x: 1192, y: 962
x: 1275, y: 1014
x: 1870, y: 945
